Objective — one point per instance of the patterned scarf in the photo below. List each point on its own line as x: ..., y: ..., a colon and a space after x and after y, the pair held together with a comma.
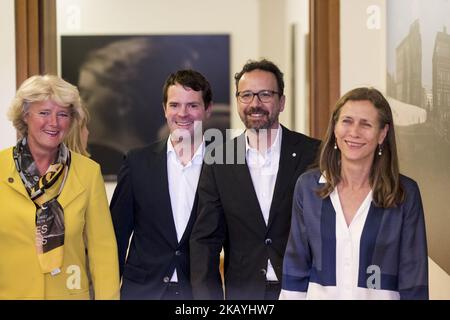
x: 44, y: 192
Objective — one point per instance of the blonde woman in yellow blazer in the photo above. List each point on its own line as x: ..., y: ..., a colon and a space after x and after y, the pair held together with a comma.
x: 45, y: 228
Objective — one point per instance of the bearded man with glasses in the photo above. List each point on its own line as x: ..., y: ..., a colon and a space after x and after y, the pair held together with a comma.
x: 245, y: 206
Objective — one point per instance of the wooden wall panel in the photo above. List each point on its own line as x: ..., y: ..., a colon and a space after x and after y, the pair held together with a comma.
x: 48, y: 50
x: 324, y: 63
x: 35, y: 38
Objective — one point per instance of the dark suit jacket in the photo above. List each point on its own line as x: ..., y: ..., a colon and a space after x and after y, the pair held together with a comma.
x: 141, y: 205
x: 229, y: 215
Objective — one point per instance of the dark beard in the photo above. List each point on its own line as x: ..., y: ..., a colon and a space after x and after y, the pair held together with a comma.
x: 264, y: 123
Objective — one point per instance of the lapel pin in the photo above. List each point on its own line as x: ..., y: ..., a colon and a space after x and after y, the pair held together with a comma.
x: 294, y: 154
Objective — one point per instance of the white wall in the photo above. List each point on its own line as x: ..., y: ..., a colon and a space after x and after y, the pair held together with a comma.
x: 7, y: 71
x: 363, y: 62
x: 297, y: 12
x: 363, y: 50
x: 274, y: 42
x: 275, y: 27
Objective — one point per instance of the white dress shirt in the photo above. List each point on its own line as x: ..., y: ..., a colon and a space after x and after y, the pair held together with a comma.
x: 183, y: 182
x: 263, y: 170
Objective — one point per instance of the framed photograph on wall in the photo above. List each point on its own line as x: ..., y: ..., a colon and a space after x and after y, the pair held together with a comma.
x: 121, y: 79
x: 418, y: 84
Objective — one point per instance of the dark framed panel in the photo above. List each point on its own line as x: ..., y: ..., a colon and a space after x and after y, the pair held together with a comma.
x: 120, y: 78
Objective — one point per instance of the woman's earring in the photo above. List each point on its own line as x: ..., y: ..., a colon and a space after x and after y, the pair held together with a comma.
x: 380, y: 150
x: 335, y: 146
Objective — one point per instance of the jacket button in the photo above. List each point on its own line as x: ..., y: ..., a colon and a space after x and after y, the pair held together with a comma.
x: 10, y: 180
x: 263, y: 272
x: 268, y: 241
x: 166, y: 279
x: 178, y: 253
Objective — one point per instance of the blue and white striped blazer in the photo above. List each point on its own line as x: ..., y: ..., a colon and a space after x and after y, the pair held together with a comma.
x: 393, y: 239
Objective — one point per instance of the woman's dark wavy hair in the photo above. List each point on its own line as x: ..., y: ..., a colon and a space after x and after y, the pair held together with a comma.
x: 384, y: 175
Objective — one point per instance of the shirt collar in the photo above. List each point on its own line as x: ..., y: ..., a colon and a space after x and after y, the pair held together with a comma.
x: 275, y: 147
x: 323, y: 178
x: 196, y: 159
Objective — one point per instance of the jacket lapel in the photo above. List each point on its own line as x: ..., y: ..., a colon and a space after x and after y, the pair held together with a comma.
x: 245, y: 183
x: 160, y: 186
x: 289, y: 160
x: 72, y: 187
x: 190, y: 224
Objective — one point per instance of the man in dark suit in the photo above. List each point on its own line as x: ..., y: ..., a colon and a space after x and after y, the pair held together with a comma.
x: 156, y: 195
x: 245, y: 201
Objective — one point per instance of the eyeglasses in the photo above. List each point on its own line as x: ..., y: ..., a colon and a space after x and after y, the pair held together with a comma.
x: 263, y: 96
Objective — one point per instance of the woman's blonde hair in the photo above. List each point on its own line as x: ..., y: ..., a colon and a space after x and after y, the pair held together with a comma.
x: 41, y: 88
x: 384, y: 175
x: 73, y: 140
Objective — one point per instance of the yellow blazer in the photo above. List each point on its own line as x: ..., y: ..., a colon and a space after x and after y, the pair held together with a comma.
x: 88, y: 226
